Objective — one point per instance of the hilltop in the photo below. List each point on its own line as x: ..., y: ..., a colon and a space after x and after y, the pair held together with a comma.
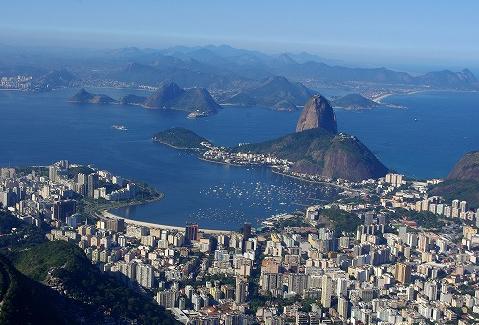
x: 84, y: 97
x: 315, y: 148
x: 179, y: 138
x: 354, y: 101
x: 462, y: 182
x: 171, y: 96
x: 275, y: 92
x: 317, y: 113
x: 317, y: 151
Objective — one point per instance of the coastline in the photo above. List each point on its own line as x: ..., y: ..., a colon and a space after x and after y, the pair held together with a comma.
x: 105, y: 214
x: 312, y: 181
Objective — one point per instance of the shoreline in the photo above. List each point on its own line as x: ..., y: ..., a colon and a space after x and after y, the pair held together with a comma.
x: 109, y: 215
x: 313, y: 181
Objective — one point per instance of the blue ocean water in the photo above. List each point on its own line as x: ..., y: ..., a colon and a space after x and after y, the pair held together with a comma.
x: 39, y: 128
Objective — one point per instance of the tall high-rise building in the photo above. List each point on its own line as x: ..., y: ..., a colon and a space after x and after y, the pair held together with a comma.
x: 342, y: 287
x: 191, y: 232
x: 246, y: 230
x: 343, y: 308
x: 463, y: 206
x: 53, y: 173
x: 82, y: 184
x: 145, y: 275
x: 93, y: 182
x: 326, y: 290
x: 403, y: 272
x: 241, y: 290
x: 116, y: 225
x: 63, y: 209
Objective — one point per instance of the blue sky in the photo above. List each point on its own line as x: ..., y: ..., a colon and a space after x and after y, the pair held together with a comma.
x: 380, y: 31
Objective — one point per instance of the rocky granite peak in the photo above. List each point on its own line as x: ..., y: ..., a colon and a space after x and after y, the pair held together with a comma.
x: 467, y: 168
x: 317, y: 113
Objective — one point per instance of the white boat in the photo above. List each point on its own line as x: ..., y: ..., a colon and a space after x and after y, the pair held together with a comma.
x: 119, y: 127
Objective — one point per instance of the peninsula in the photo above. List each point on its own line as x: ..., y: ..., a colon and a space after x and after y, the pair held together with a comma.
x: 316, y: 149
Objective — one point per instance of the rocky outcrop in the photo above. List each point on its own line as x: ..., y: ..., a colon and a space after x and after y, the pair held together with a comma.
x: 84, y: 97
x: 317, y: 113
x: 171, y: 96
x: 462, y: 183
x: 467, y: 168
x: 318, y: 151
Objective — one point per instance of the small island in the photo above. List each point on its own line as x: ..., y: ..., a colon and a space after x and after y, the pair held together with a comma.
x: 197, y: 102
x: 84, y: 97
x: 180, y: 138
x: 354, y: 102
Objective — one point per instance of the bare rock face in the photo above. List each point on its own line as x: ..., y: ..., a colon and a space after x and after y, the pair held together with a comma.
x: 317, y: 113
x: 467, y: 168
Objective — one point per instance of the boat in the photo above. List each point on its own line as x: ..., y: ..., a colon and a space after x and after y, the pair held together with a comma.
x: 197, y: 114
x: 119, y: 127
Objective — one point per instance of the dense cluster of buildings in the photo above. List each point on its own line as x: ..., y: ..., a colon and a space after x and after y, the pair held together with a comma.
x: 223, y: 155
x: 19, y: 82
x: 390, y: 270
x: 51, y: 194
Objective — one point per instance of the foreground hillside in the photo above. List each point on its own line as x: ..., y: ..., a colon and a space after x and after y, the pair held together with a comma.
x: 54, y: 283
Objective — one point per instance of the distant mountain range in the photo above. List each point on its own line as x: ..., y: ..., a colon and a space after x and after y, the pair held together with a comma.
x: 224, y: 66
x: 226, y: 71
x: 276, y: 92
x: 168, y: 96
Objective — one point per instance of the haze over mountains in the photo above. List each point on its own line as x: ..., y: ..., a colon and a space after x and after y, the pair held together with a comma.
x: 221, y: 68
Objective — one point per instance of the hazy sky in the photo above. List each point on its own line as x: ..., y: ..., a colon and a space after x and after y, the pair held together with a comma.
x: 396, y: 31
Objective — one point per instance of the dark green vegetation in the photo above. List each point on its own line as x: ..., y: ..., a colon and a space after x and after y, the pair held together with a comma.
x: 424, y: 219
x: 171, y: 96
x: 84, y: 97
x: 462, y: 183
x: 54, y: 283
x: 179, y: 138
x: 132, y: 100
x: 275, y: 92
x: 354, y: 101
x: 316, y: 151
x: 296, y: 221
x: 341, y: 221
x: 25, y: 301
x: 467, y: 190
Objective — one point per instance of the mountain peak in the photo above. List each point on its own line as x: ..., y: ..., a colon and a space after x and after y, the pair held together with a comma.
x: 317, y: 113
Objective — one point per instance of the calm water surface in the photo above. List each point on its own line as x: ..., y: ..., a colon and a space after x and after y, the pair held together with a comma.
x: 422, y: 141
